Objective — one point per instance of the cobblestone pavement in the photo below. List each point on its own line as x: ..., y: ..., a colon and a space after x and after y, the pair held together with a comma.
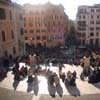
x: 83, y: 87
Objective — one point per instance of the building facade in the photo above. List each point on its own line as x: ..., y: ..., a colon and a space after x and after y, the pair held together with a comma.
x: 8, y: 30
x: 88, y: 25
x: 44, y: 25
x: 18, y: 13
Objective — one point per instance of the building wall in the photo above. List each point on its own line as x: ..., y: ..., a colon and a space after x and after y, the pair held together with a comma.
x: 18, y: 12
x: 8, y: 27
x: 88, y: 25
x: 44, y: 25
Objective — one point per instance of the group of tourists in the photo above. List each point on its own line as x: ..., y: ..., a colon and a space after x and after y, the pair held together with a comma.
x: 31, y: 71
x: 91, y: 67
x: 69, y: 78
x: 90, y: 64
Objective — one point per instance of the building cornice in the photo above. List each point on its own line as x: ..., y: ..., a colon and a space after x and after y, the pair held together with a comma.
x: 7, y: 2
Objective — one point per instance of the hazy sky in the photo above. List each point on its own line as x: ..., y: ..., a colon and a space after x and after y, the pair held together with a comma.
x: 70, y: 6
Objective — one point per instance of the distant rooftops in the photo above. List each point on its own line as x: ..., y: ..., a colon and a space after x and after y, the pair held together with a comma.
x: 97, y: 5
x: 5, y: 1
x: 43, y: 5
x: 94, y: 6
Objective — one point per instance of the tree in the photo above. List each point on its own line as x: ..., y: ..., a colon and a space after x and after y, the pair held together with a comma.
x: 71, y: 38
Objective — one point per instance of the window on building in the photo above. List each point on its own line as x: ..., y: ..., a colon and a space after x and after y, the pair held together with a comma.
x: 12, y: 34
x: 26, y: 38
x: 3, y: 36
x: 32, y: 38
x: 59, y: 23
x: 43, y: 30
x: 81, y: 28
x: 83, y: 16
x: 38, y: 31
x: 24, y: 24
x: 82, y: 23
x: 14, y: 50
x: 57, y: 17
x: 10, y: 15
x: 59, y: 38
x: 83, y: 34
x: 51, y: 17
x: 80, y: 17
x: 31, y: 31
x: 44, y: 37
x: 6, y: 53
x: 22, y: 31
x: 98, y: 16
x: 61, y: 17
x: 91, y: 41
x: 97, y: 10
x: 97, y: 28
x: 82, y: 10
x: 25, y: 31
x: 91, y: 34
x: 92, y: 10
x: 53, y: 23
x: 91, y: 28
x: 98, y: 22
x: 79, y: 34
x: 30, y: 24
x: 21, y: 16
x: 97, y: 42
x: 91, y: 22
x: 97, y: 34
x: 2, y: 14
x: 91, y: 16
x: 38, y: 37
x: 24, y: 19
x: 83, y: 42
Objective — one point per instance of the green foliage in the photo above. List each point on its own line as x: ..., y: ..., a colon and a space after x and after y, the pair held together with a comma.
x: 71, y: 37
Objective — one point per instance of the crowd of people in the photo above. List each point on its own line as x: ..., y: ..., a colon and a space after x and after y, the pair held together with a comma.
x: 33, y: 70
x: 91, y: 67
x: 90, y: 64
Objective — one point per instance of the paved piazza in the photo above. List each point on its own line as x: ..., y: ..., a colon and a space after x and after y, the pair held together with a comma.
x: 83, y: 86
